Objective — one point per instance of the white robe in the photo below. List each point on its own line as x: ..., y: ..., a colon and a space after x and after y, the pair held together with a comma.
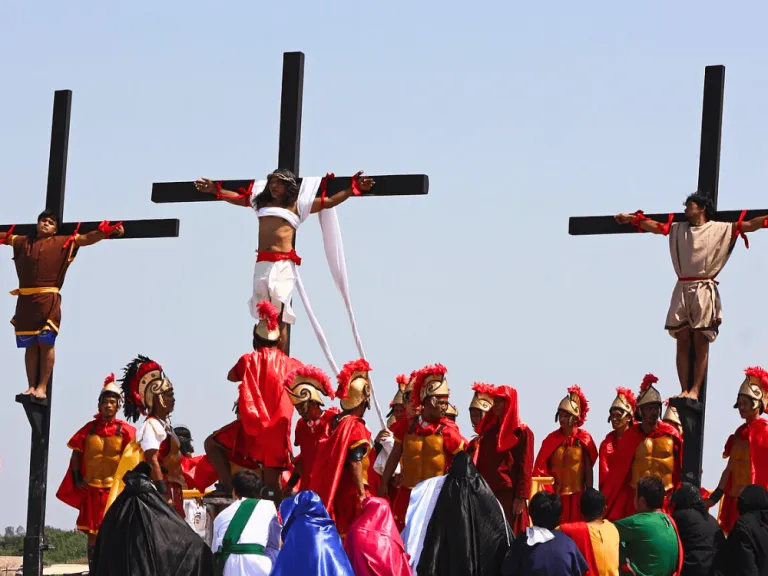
x: 263, y: 528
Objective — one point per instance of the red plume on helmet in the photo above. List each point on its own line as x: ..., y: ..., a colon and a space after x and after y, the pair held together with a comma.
x: 648, y: 381
x: 629, y: 396
x: 402, y: 381
x: 109, y: 379
x: 344, y: 377
x: 482, y: 388
x: 309, y: 371
x: 584, y: 404
x: 267, y: 312
x: 760, y: 375
x: 421, y: 376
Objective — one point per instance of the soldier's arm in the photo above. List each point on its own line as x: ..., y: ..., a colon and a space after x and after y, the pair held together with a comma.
x: 589, y: 475
x: 642, y: 222
x: 389, y: 469
x: 76, y: 462
x: 355, y: 463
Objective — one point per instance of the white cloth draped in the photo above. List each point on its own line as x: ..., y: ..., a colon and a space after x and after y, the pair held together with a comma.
x: 334, y: 254
x: 420, y: 508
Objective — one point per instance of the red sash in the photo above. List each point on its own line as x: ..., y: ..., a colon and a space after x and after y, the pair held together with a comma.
x: 579, y: 533
x: 262, y: 256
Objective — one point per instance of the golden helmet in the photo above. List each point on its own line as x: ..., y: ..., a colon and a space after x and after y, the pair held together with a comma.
x: 111, y: 388
x: 399, y: 399
x: 308, y: 383
x: 575, y: 404
x: 452, y: 411
x: 483, y: 399
x: 143, y: 380
x: 755, y: 386
x: 625, y: 401
x: 430, y: 381
x: 354, y: 384
x: 648, y: 393
x: 268, y: 327
x: 671, y: 416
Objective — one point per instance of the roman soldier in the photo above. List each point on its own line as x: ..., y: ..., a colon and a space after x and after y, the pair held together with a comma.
x: 424, y: 445
x: 96, y: 450
x: 620, y: 417
x: 412, y: 409
x: 148, y: 392
x: 480, y: 405
x: 650, y: 447
x: 452, y: 413
x: 672, y: 417
x: 504, y: 453
x: 397, y: 406
x: 42, y: 260
x: 746, y: 449
x: 569, y: 454
x: 340, y: 471
x: 306, y: 387
x: 260, y: 437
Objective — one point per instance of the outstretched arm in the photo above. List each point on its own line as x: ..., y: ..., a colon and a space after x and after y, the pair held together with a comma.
x: 754, y: 224
x: 643, y: 223
x: 207, y: 186
x: 360, y: 184
x: 107, y: 231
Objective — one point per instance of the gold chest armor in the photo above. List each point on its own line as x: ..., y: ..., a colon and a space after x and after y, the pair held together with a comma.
x: 654, y: 457
x: 740, y: 465
x: 423, y: 458
x: 567, y: 465
x: 102, y: 455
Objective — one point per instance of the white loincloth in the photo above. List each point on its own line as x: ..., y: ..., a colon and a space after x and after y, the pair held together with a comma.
x: 274, y: 281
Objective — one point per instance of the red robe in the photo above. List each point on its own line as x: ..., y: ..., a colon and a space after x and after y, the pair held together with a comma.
x: 308, y: 437
x: 571, y: 502
x: 756, y: 434
x: 619, y: 495
x: 606, y: 455
x: 262, y: 432
x: 508, y: 473
x: 331, y: 478
x: 91, y: 501
x: 579, y: 533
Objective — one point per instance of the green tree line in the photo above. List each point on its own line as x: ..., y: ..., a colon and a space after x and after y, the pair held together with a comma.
x: 64, y: 546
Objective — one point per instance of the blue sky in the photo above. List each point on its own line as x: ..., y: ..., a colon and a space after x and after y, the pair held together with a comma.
x: 522, y: 114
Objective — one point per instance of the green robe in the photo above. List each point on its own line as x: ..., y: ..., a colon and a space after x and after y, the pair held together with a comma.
x: 649, y: 541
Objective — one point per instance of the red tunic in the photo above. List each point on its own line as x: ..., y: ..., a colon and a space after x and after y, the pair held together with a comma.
x: 571, y: 502
x: 40, y: 264
x: 756, y: 433
x: 508, y: 473
x: 331, y: 477
x: 91, y: 501
x: 308, y: 437
x: 262, y: 432
x: 607, y: 453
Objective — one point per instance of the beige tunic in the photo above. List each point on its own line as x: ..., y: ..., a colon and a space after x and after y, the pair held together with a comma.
x: 700, y: 253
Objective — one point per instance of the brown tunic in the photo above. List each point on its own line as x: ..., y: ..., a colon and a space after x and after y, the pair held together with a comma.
x: 40, y: 264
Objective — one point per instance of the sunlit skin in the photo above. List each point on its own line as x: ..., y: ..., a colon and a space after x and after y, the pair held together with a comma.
x: 619, y: 420
x: 309, y: 411
x: 398, y: 411
x: 108, y: 407
x: 567, y: 422
x: 749, y: 410
x: 651, y: 414
x: 434, y: 408
x: 46, y: 228
x: 499, y: 406
x: 476, y: 416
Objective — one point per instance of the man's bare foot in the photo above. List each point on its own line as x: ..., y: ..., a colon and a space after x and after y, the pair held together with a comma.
x: 39, y: 394
x: 29, y: 392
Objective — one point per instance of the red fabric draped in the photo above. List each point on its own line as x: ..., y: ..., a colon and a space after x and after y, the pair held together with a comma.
x: 579, y: 533
x: 606, y: 454
x: 756, y: 433
x: 308, y: 438
x: 619, y: 496
x: 264, y: 408
x: 198, y: 472
x: 373, y: 543
x: 511, y: 421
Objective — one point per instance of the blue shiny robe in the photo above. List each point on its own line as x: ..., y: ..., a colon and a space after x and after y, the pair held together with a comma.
x: 311, y: 543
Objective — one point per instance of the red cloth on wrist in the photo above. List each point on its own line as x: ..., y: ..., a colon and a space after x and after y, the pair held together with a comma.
x: 639, y: 217
x: 72, y: 238
x: 7, y: 239
x: 324, y: 188
x: 666, y: 227
x: 356, y: 187
x: 740, y: 229
x: 107, y: 229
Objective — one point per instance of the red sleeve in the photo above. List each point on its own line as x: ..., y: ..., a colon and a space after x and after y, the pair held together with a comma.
x: 523, y: 452
x: 399, y: 429
x: 301, y: 427
x: 77, y: 442
x: 453, y: 441
x: 603, y: 459
x: 358, y: 435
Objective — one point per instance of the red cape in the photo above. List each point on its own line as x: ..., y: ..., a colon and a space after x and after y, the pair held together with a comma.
x: 373, y: 543
x: 331, y: 457
x: 619, y: 497
x: 511, y: 421
x: 579, y: 533
x: 198, y: 472
x: 68, y: 492
x: 555, y: 439
x: 606, y: 454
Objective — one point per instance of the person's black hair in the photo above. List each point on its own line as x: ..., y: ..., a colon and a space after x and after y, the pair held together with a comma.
x: 592, y: 504
x: 291, y: 190
x: 185, y: 439
x: 110, y: 395
x: 247, y: 484
x: 651, y: 489
x: 545, y: 510
x: 702, y: 201
x: 131, y: 410
x: 688, y: 497
x: 42, y: 216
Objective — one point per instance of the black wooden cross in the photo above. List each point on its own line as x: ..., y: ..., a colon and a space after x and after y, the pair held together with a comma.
x: 39, y: 414
x: 691, y: 412
x: 289, y: 152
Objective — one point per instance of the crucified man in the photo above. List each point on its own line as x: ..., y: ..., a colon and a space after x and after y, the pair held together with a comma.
x: 699, y: 249
x: 280, y: 208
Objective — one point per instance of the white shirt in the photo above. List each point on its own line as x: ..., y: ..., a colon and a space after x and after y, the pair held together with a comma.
x: 262, y: 528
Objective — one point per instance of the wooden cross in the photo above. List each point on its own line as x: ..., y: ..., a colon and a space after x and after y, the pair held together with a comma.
x: 289, y: 152
x: 39, y: 413
x: 691, y: 412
